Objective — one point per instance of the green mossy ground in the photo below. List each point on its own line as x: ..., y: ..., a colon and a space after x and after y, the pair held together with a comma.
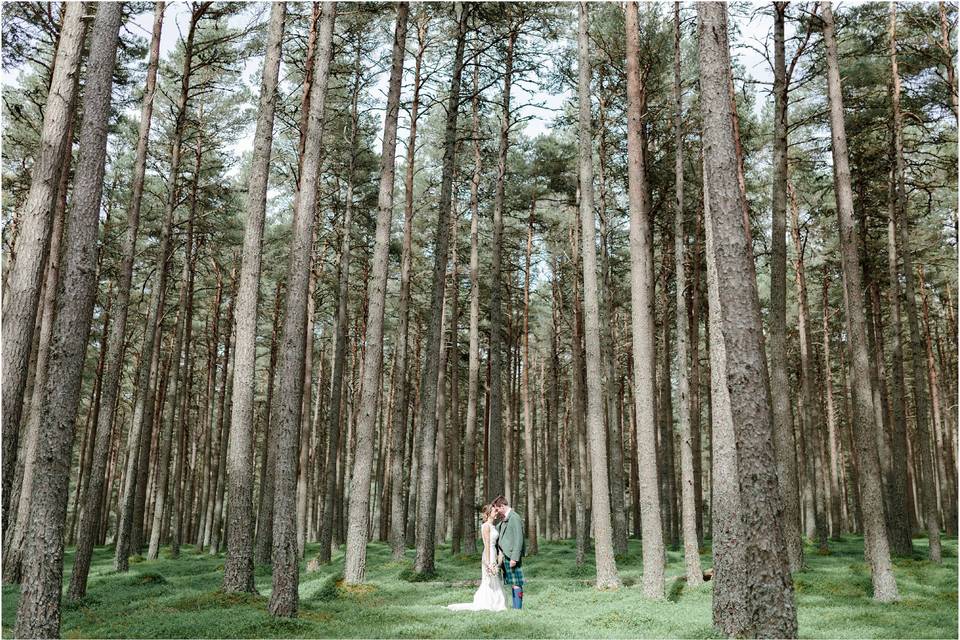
x: 180, y: 599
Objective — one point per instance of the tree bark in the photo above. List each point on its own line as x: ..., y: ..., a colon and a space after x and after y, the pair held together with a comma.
x: 691, y: 545
x: 528, y: 435
x: 925, y: 441
x: 884, y: 584
x: 495, y: 471
x: 642, y: 321
x: 238, y: 565
x: 607, y: 576
x: 811, y: 419
x: 21, y: 294
x: 285, y: 411
x: 779, y: 380
x: 473, y: 367
x: 358, y: 516
x: 400, y: 375
x: 769, y: 604
x: 38, y: 611
x: 426, y: 515
x: 264, y: 544
x: 335, y: 416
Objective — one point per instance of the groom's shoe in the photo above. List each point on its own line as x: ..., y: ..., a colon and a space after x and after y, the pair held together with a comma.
x: 517, y: 598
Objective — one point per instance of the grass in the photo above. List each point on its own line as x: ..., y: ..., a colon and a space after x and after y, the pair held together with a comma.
x: 181, y: 599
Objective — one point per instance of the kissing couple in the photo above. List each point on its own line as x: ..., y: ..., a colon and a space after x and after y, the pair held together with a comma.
x: 502, y: 560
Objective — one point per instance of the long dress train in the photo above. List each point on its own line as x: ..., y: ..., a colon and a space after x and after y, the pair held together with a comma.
x: 489, y: 596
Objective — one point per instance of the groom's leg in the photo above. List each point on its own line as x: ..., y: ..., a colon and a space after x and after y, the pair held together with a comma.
x: 517, y: 597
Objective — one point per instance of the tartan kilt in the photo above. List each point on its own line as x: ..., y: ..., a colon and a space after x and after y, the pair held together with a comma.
x: 512, y: 576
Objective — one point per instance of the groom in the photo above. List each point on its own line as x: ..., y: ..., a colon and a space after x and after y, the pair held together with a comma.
x: 511, y: 547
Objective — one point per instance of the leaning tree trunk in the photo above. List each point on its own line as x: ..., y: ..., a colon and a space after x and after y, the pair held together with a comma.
x: 729, y: 601
x: 783, y: 436
x: 769, y: 605
x: 21, y: 293
x: 691, y: 545
x: 144, y: 407
x: 427, y: 482
x: 875, y: 534
x: 238, y: 565
x: 38, y: 612
x: 607, y: 576
x: 285, y: 411
x: 358, y: 516
x: 925, y: 441
x: 642, y: 323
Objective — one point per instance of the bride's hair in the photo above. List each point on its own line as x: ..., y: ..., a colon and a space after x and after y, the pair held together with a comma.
x: 485, y: 512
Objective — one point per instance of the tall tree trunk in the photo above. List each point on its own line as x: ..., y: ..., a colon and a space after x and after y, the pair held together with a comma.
x: 925, y: 441
x: 38, y: 611
x: 285, y: 411
x: 168, y: 413
x: 427, y: 482
x: 400, y: 374
x: 607, y: 576
x: 779, y: 380
x: 238, y: 565
x: 143, y: 409
x: 496, y: 483
x: 608, y: 351
x: 24, y: 277
x: 642, y: 321
x: 666, y: 461
x: 900, y: 518
x: 691, y: 545
x: 117, y: 333
x: 264, y: 544
x: 14, y: 535
x: 473, y: 367
x: 811, y: 419
x: 186, y: 369
x: 358, y: 517
x: 769, y: 604
x: 729, y: 597
x: 327, y: 537
x: 884, y: 584
x: 552, y: 424
x: 528, y: 435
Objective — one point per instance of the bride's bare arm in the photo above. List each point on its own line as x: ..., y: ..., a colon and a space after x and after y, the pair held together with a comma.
x: 485, y: 534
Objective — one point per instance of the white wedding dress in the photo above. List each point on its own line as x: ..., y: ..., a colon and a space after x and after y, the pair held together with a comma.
x: 489, y: 597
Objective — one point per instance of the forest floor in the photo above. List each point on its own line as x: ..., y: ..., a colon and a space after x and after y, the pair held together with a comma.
x: 180, y: 599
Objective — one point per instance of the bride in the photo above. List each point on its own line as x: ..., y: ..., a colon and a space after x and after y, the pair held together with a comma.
x: 489, y: 597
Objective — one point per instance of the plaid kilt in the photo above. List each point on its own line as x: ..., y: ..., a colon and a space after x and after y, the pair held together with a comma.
x: 512, y: 576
